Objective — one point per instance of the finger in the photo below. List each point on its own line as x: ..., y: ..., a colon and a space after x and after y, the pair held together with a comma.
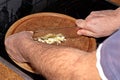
x: 81, y: 23
x: 15, y: 55
x: 7, y: 40
x: 95, y: 14
x: 92, y: 15
x: 26, y: 34
x: 31, y: 32
x: 84, y: 25
x: 86, y: 33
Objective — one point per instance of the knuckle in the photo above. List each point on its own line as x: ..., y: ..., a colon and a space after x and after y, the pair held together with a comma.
x: 93, y: 12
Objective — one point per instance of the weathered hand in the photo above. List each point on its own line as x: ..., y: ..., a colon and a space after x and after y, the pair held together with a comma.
x: 99, y: 23
x: 16, y: 43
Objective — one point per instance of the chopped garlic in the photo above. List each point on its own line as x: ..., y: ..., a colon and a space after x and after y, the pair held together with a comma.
x: 52, y: 38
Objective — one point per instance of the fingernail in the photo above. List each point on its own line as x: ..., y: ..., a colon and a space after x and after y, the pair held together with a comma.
x: 79, y: 32
x: 31, y: 32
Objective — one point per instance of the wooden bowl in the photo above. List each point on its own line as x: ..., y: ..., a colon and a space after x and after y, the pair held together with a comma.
x: 43, y: 23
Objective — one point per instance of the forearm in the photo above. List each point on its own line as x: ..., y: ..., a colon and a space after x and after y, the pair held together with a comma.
x: 60, y: 63
x: 54, y: 62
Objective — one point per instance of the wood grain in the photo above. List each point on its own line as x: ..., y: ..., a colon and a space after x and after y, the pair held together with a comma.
x: 8, y: 74
x: 117, y: 2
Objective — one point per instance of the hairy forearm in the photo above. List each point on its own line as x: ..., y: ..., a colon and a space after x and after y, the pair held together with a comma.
x: 54, y: 62
x: 61, y: 63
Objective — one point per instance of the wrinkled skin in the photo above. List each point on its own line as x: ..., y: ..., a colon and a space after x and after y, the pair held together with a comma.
x: 99, y: 23
x: 14, y: 45
x: 54, y: 62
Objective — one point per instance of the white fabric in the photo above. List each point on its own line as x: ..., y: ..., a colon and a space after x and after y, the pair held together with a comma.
x: 98, y: 65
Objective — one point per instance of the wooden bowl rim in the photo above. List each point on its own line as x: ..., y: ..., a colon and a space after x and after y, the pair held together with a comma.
x: 18, y: 22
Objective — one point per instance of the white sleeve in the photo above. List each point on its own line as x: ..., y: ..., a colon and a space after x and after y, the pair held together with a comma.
x: 98, y: 65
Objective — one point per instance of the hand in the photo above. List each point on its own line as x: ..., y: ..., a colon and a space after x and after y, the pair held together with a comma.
x: 16, y: 43
x: 99, y: 23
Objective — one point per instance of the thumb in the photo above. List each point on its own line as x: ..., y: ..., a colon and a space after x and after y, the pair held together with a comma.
x: 31, y: 32
x: 86, y: 32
